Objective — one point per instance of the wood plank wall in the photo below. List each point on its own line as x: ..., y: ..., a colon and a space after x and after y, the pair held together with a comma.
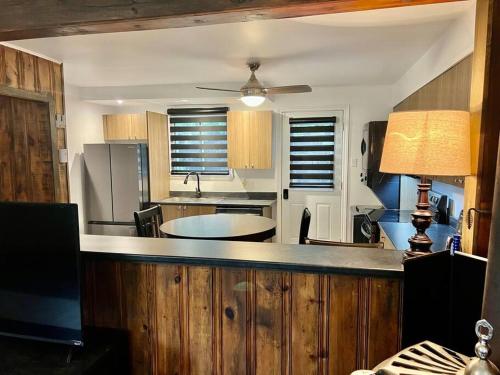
x: 450, y: 90
x: 26, y: 160
x: 20, y: 70
x: 205, y: 320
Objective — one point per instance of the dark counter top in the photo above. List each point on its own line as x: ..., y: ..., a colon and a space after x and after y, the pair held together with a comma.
x: 301, y: 258
x: 399, y: 233
x: 215, y: 201
x: 238, y: 199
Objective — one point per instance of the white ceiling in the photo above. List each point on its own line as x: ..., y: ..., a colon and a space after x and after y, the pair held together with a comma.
x: 371, y: 47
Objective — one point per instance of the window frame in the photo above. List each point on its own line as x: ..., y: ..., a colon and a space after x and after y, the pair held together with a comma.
x: 200, y: 112
x: 309, y: 122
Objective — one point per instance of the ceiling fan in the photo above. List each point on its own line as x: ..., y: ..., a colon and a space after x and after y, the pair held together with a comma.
x: 253, y: 93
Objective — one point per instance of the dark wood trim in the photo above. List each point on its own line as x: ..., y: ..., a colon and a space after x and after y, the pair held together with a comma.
x: 37, y: 19
x: 490, y: 131
x: 485, y: 125
x: 490, y: 123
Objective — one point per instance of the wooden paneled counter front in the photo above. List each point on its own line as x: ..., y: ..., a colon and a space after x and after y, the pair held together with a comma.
x: 210, y: 307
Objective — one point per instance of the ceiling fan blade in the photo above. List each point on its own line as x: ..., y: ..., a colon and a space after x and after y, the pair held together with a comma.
x: 211, y: 88
x: 296, y: 89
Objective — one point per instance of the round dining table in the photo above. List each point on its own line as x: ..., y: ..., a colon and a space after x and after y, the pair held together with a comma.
x: 227, y: 227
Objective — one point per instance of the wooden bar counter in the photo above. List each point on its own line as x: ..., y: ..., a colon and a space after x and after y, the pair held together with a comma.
x: 215, y: 307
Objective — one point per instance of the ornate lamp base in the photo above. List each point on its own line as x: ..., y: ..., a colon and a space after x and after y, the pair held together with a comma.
x: 420, y: 243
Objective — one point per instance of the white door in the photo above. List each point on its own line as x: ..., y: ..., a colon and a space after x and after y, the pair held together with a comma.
x: 312, y: 174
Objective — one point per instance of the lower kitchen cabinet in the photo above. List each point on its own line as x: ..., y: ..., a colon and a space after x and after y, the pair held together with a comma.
x: 171, y: 212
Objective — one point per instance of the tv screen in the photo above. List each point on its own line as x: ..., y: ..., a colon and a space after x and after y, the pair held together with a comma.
x: 40, y: 272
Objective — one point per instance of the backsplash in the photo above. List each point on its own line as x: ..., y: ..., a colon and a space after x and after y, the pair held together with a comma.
x: 408, y: 198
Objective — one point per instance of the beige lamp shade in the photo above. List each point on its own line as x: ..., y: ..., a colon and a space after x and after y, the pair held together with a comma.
x: 427, y: 143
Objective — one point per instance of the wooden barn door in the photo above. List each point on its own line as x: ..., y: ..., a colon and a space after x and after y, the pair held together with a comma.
x: 26, y: 158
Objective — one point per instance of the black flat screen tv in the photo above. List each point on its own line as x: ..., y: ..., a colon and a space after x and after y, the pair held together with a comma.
x: 40, y: 272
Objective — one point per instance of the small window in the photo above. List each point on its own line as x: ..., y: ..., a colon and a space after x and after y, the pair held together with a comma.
x: 198, y: 141
x: 312, y: 152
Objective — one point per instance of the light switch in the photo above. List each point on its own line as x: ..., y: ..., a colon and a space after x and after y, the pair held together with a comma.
x: 354, y: 162
x: 63, y: 155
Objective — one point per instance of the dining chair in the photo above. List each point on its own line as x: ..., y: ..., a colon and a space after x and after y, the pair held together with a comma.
x: 305, y: 222
x: 376, y: 245
x: 148, y: 222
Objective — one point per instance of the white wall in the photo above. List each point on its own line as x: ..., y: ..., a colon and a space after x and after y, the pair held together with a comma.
x: 454, y: 44
x: 83, y: 125
x: 365, y: 104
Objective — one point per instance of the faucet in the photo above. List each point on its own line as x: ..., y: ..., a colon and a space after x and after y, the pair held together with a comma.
x: 198, y: 191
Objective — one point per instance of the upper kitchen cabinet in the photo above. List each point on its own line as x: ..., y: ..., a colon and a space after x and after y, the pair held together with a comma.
x: 125, y: 127
x: 147, y: 127
x: 249, y: 139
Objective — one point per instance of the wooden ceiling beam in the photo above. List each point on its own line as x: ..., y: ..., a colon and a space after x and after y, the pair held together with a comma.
x: 20, y: 19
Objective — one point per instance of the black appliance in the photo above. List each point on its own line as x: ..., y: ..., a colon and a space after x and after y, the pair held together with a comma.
x: 361, y: 225
x: 40, y: 272
x: 242, y: 210
x: 385, y: 186
x: 366, y: 218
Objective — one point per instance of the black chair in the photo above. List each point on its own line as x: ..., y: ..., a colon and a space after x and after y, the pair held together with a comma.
x: 148, y: 222
x: 305, y: 222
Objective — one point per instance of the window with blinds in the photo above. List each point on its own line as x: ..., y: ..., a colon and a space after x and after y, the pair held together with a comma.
x: 312, y: 152
x: 198, y: 141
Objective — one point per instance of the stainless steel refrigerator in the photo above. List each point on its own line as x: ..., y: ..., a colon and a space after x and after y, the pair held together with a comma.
x: 116, y: 185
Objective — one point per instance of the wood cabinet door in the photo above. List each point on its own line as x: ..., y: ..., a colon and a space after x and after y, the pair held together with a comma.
x: 237, y: 140
x: 26, y: 151
x: 116, y: 127
x: 196, y: 210
x: 171, y: 212
x: 159, y: 157
x: 206, y: 210
x: 138, y: 126
x: 260, y: 135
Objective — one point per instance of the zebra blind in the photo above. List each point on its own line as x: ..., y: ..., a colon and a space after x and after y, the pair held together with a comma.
x: 198, y: 140
x: 312, y: 152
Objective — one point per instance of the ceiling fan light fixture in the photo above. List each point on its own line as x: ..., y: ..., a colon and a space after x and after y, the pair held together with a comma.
x: 253, y: 100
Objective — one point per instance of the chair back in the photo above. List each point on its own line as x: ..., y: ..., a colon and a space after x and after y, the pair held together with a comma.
x: 377, y: 245
x: 148, y: 222
x: 305, y: 222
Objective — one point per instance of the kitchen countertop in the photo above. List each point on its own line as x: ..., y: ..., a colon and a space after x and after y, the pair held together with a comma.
x: 217, y: 201
x: 399, y: 233
x: 306, y: 258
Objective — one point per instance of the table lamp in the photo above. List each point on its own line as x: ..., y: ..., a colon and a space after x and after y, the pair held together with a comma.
x: 426, y: 143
